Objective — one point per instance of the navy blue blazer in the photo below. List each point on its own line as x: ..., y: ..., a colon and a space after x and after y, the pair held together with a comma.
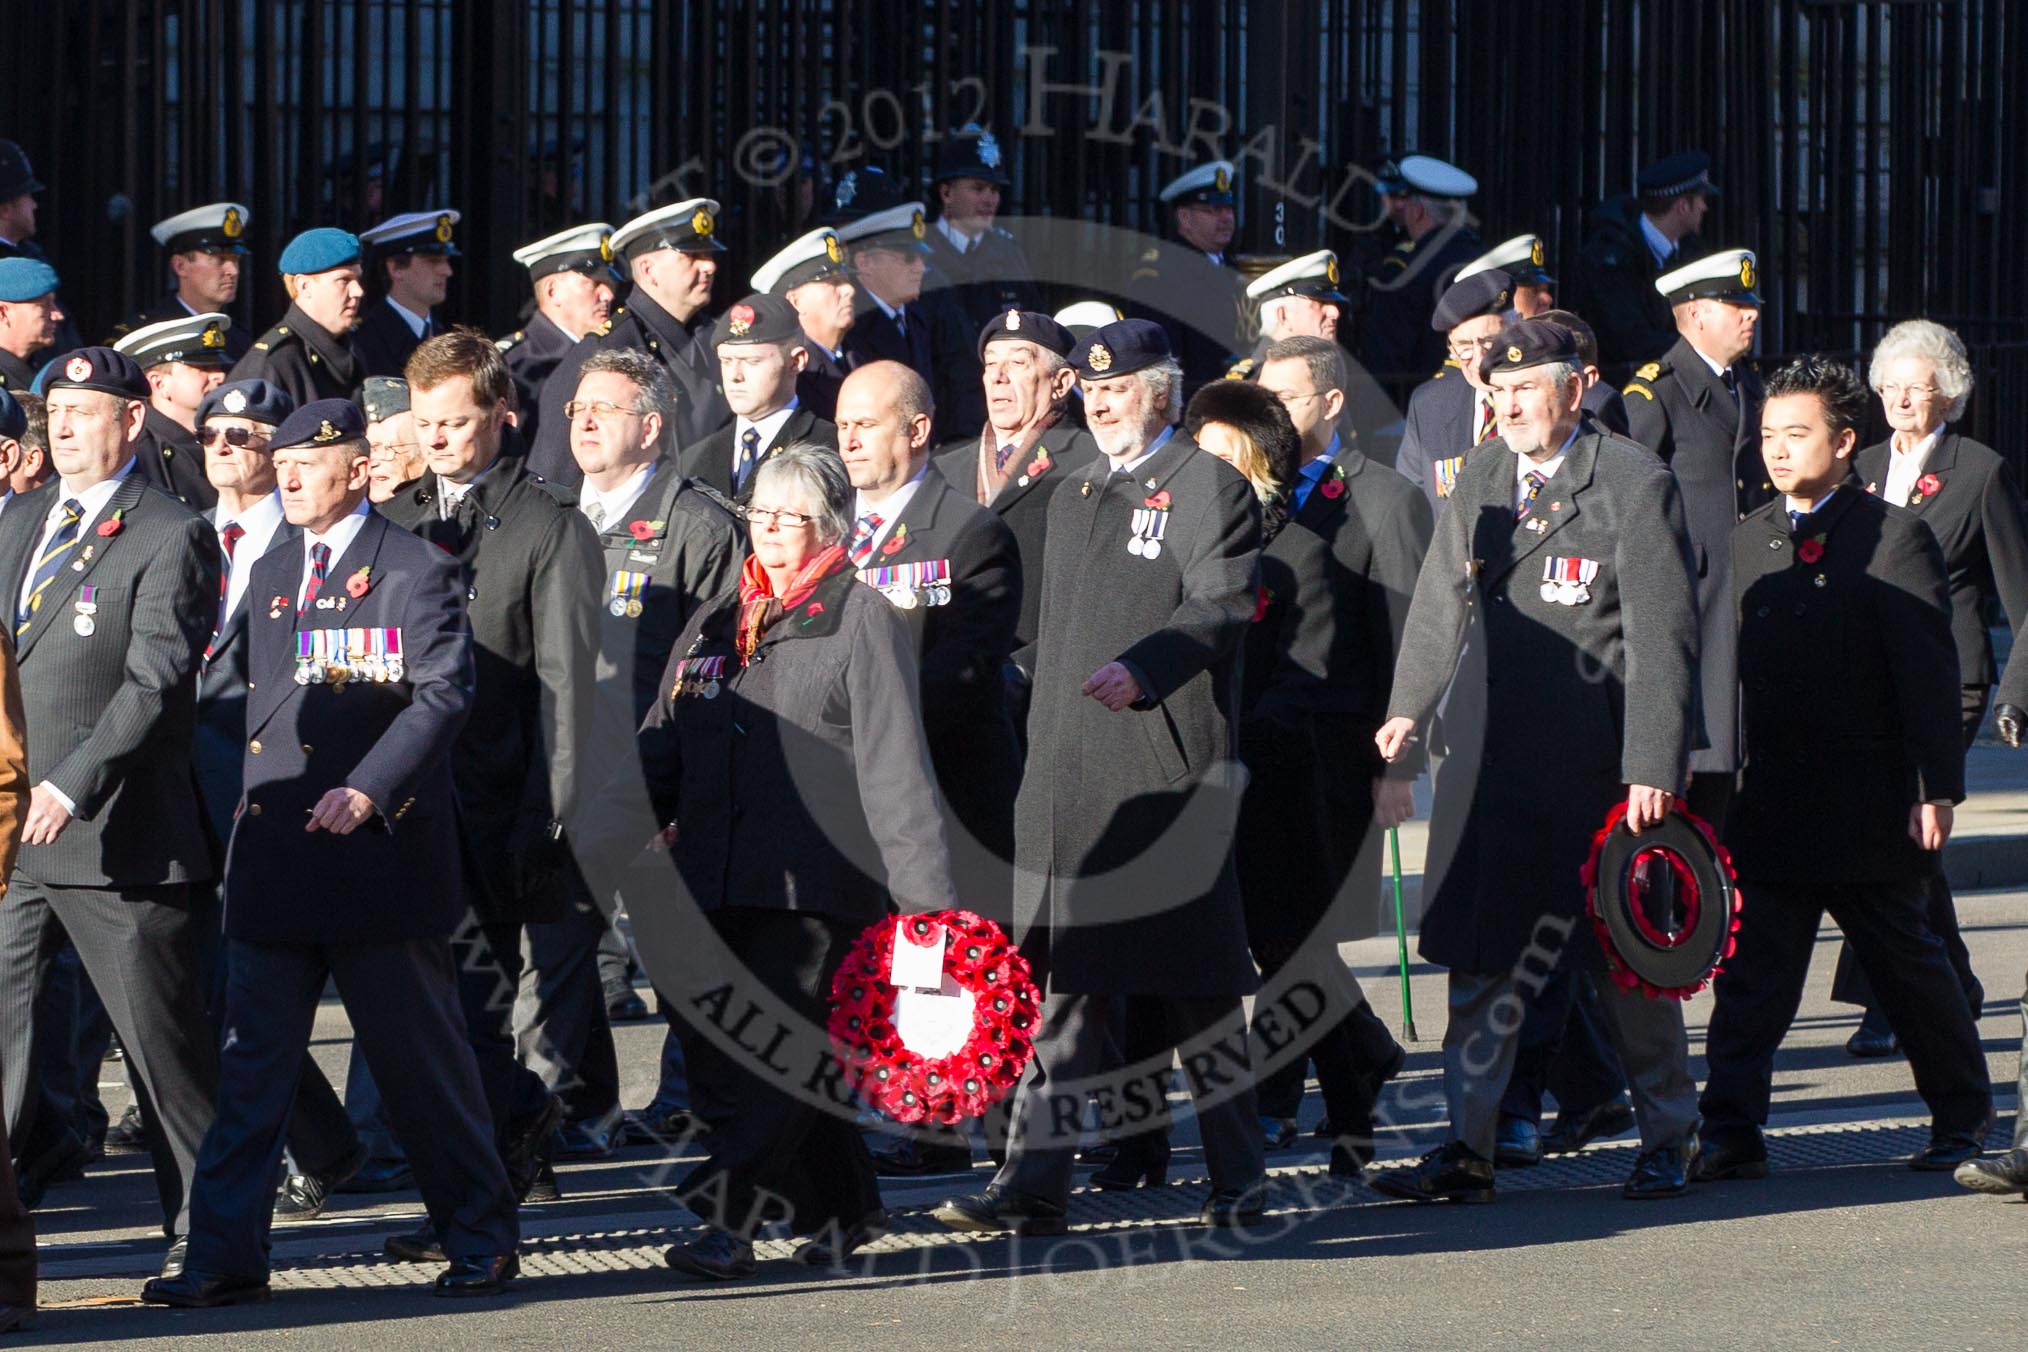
x: 220, y: 747
x: 398, y: 876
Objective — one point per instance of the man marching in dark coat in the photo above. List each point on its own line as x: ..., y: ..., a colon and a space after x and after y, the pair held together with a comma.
x: 1124, y: 873
x: 344, y: 866
x: 1854, y: 760
x: 1569, y: 561
x: 309, y: 353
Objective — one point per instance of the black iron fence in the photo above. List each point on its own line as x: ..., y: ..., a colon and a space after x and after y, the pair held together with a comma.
x: 1869, y: 151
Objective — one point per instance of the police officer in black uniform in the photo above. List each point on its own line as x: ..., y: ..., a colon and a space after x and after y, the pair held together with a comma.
x: 206, y: 253
x: 575, y: 290
x: 981, y: 265
x: 1699, y: 409
x: 1635, y: 239
x: 412, y: 253
x: 309, y: 353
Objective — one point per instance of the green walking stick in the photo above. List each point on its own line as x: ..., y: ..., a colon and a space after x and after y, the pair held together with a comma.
x: 1401, y: 937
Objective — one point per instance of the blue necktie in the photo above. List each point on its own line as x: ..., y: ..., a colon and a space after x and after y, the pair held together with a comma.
x: 1796, y: 520
x: 51, y: 563
x: 749, y: 451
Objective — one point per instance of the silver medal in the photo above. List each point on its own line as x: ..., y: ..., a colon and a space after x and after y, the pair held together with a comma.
x: 618, y: 608
x: 85, y: 626
x: 1152, y: 548
x: 711, y: 689
x: 1137, y: 547
x: 1567, y: 592
x: 1549, y: 592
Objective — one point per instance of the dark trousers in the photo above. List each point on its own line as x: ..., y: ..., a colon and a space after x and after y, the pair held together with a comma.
x: 138, y: 948
x: 1071, y: 1049
x: 17, y: 1235
x: 488, y: 955
x: 560, y: 1025
x: 1849, y: 984
x: 1761, y: 985
x: 68, y: 1016
x: 401, y: 999
x: 1348, y: 1048
x: 1565, y: 1048
x: 775, y: 1146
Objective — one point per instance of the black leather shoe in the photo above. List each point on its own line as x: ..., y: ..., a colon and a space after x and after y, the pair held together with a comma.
x: 527, y: 1145
x: 2005, y: 1174
x: 1947, y: 1150
x: 419, y: 1246
x: 1277, y: 1133
x: 719, y: 1256
x: 63, y: 1161
x: 485, y: 1274
x: 545, y: 1188
x: 1517, y: 1144
x: 304, y: 1196
x: 205, y: 1291
x: 623, y: 1005
x: 1350, y: 1161
x: 1228, y: 1208
x: 1141, y: 1159
x: 172, y: 1261
x: 126, y: 1136
x: 1874, y: 1038
x: 589, y: 1138
x: 1719, y: 1160
x: 379, y: 1176
x: 14, y: 1318
x: 996, y: 1211
x: 1573, y: 1131
x: 833, y: 1247
x: 1662, y: 1173
x: 915, y: 1157
x: 1451, y: 1173
x: 660, y: 1124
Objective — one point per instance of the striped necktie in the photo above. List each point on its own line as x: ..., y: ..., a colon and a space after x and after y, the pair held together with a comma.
x: 51, y: 563
x: 1536, y: 478
x: 1486, y: 422
x: 862, y: 538
x: 320, y: 559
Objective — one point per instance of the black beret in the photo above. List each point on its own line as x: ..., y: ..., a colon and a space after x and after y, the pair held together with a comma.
x: 1526, y: 343
x: 1121, y: 348
x: 760, y: 318
x: 383, y: 397
x: 99, y: 368
x: 13, y: 418
x: 259, y: 400
x: 1483, y: 293
x: 321, y: 422
x: 1033, y: 325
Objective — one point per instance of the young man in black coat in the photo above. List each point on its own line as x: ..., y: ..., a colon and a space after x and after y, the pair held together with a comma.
x: 575, y: 290
x: 530, y: 560
x: 309, y: 353
x: 761, y: 354
x: 1854, y: 760
x: 411, y: 253
x: 344, y: 866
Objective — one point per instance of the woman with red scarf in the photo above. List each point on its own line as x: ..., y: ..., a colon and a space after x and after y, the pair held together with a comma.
x: 787, y: 760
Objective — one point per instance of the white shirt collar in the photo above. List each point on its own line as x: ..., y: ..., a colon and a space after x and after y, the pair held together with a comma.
x: 769, y: 428
x: 1905, y: 467
x: 339, y: 539
x: 620, y: 501
x: 416, y: 323
x: 260, y: 522
x: 958, y: 238
x: 892, y: 507
x: 885, y: 308
x: 1658, y: 243
x: 93, y: 499
x: 449, y: 494
x: 1716, y: 369
x: 1157, y: 444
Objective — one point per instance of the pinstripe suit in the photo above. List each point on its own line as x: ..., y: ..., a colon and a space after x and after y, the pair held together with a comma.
x: 110, y: 724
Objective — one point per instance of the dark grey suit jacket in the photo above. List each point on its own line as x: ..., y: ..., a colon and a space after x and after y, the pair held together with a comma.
x: 111, y: 713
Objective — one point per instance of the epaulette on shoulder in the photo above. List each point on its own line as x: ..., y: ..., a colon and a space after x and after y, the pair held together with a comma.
x: 563, y: 494
x: 1636, y: 387
x: 1649, y: 371
x: 508, y: 343
x: 1240, y: 370
x: 605, y: 328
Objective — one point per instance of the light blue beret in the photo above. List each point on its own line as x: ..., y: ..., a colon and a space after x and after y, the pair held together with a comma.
x: 320, y: 250
x: 25, y: 279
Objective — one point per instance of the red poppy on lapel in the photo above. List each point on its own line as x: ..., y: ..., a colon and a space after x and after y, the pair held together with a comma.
x: 1809, y: 551
x: 113, y: 525
x: 1159, y: 501
x: 356, y: 585
x: 1928, y: 485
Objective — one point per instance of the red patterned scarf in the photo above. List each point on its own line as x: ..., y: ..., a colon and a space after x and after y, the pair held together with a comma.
x: 759, y: 607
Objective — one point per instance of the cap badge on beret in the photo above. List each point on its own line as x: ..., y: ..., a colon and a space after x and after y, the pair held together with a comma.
x: 702, y: 222
x: 1535, y: 254
x: 232, y: 225
x: 989, y: 150
x: 739, y: 319
x: 1502, y: 301
x: 1222, y: 180
x: 77, y: 369
x: 235, y: 401
x: 213, y: 335
x: 1746, y: 273
x: 1513, y: 354
x: 326, y: 433
x: 916, y: 224
x: 1099, y: 358
x: 831, y: 249
x: 1013, y: 321
x: 1331, y: 269
x: 444, y: 228
x: 606, y: 246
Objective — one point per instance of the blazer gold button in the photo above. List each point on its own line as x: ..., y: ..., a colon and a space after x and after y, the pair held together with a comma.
x: 254, y: 746
x: 306, y: 748
x: 253, y: 809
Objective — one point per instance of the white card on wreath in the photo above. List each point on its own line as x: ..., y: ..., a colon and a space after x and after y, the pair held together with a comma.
x: 918, y: 963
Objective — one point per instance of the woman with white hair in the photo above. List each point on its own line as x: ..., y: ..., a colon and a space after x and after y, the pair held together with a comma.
x: 1971, y: 500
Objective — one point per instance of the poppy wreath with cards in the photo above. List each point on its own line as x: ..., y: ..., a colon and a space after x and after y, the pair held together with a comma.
x: 959, y: 1066
x: 1664, y: 904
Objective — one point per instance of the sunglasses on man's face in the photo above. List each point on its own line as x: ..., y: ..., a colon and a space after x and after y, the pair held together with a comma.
x: 231, y: 436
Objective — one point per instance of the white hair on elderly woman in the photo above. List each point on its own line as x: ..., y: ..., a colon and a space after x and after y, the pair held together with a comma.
x: 816, y: 476
x: 1931, y: 341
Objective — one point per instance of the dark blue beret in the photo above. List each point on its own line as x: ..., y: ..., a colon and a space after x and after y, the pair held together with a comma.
x: 1033, y: 325
x: 1121, y: 348
x: 258, y: 400
x: 1526, y: 343
x: 321, y: 422
x: 99, y: 368
x: 319, y: 250
x: 384, y: 396
x: 1483, y: 293
x: 13, y: 418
